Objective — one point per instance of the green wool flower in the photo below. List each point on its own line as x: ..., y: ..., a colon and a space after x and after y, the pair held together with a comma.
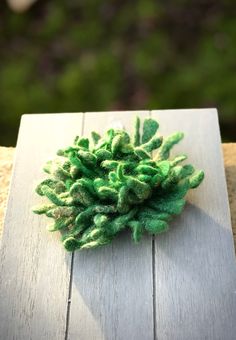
x: 97, y: 190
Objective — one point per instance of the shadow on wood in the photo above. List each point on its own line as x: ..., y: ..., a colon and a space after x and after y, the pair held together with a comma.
x: 195, y: 279
x: 108, y: 291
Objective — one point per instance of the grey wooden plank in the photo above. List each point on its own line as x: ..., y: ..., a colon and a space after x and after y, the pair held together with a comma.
x: 35, y: 269
x: 112, y: 286
x: 195, y: 272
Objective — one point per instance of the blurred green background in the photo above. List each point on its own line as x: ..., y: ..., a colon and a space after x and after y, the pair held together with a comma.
x: 77, y: 55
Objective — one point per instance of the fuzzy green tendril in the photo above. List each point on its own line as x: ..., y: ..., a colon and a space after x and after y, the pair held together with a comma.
x: 97, y: 190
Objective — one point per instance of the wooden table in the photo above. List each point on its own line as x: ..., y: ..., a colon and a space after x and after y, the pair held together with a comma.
x: 179, y: 285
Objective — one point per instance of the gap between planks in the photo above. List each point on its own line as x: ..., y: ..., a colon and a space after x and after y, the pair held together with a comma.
x: 153, y: 278
x: 71, y: 268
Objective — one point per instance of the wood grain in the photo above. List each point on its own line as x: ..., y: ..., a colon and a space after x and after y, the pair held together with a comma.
x: 191, y: 268
x: 195, y: 272
x: 35, y: 269
x: 112, y: 286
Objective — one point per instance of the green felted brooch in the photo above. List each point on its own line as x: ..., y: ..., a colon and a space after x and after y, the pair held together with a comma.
x: 96, y: 189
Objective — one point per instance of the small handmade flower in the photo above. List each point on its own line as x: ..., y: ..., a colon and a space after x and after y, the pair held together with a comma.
x: 98, y: 188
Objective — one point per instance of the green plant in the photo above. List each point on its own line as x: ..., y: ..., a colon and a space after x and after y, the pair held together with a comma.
x: 97, y: 190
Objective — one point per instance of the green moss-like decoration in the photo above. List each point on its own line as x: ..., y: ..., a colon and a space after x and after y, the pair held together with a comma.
x: 95, y: 191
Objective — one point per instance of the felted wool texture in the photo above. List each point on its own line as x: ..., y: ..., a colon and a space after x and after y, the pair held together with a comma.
x: 100, y: 186
x: 229, y: 149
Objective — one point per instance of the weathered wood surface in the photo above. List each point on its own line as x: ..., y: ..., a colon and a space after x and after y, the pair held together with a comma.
x: 111, y: 296
x: 195, y: 271
x: 34, y: 268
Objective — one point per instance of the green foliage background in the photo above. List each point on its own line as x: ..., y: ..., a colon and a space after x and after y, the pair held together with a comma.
x: 63, y: 56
